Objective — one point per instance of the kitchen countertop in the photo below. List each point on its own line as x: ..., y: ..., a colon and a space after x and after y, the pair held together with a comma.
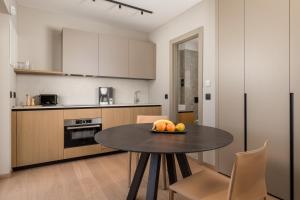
x: 61, y: 107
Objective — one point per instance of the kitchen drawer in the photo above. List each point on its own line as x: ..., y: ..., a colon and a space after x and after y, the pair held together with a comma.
x: 82, y: 113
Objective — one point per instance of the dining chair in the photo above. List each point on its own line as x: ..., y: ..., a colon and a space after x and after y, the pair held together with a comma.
x: 247, y: 180
x: 141, y: 119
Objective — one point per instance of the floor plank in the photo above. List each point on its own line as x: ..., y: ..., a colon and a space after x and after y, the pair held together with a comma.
x: 101, y: 178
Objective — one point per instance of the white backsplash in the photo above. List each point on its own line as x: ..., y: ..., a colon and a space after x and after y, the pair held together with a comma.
x: 80, y: 90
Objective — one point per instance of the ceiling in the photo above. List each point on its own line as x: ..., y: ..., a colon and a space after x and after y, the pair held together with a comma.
x: 164, y: 11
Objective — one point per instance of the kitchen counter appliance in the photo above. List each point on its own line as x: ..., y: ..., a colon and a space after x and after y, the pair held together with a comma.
x: 48, y: 99
x: 81, y: 132
x: 106, y: 95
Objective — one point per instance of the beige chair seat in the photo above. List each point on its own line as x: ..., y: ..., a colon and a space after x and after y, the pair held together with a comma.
x: 204, y: 185
x: 247, y: 180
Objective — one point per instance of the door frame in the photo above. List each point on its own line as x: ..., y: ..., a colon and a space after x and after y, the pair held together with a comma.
x: 173, y: 106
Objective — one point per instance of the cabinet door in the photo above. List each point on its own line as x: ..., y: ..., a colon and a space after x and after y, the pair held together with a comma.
x: 267, y: 87
x: 295, y: 87
x: 116, y: 117
x: 141, y: 59
x: 231, y: 79
x: 14, y: 139
x: 39, y: 136
x: 80, y: 52
x: 144, y: 111
x: 113, y: 56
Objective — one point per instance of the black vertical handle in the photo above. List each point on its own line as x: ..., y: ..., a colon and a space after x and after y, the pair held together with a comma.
x: 245, y: 123
x: 292, y: 145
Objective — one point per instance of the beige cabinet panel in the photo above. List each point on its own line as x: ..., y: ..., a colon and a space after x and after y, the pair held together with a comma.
x: 142, y: 62
x: 295, y: 86
x: 231, y: 79
x: 267, y: 87
x: 113, y: 56
x: 39, y: 137
x: 80, y: 52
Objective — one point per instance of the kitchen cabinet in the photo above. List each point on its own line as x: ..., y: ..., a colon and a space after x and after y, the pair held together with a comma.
x: 116, y: 117
x: 14, y: 139
x: 121, y: 116
x: 186, y: 117
x: 231, y: 80
x: 82, y: 151
x: 144, y: 111
x: 142, y: 62
x: 82, y: 113
x: 295, y: 88
x: 39, y: 136
x: 267, y: 87
x: 113, y: 56
x: 80, y: 52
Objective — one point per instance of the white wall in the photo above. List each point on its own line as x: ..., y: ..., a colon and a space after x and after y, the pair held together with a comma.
x: 5, y: 136
x: 79, y: 90
x: 40, y: 42
x: 202, y: 15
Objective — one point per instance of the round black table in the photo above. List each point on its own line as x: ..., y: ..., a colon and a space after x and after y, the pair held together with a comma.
x: 139, y: 138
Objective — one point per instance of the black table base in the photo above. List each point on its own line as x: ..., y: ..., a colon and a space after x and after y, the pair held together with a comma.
x: 154, y: 170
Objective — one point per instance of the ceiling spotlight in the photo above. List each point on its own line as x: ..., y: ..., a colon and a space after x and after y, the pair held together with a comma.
x: 121, y: 4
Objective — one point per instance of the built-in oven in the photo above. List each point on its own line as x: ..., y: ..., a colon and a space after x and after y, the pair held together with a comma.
x: 81, y: 132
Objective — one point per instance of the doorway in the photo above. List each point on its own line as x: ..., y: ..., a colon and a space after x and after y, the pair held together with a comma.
x: 186, y: 78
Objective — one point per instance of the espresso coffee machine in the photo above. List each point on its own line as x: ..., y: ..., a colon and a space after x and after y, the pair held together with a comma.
x: 106, y: 95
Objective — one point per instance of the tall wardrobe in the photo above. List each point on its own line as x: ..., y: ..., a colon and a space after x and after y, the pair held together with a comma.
x: 259, y: 86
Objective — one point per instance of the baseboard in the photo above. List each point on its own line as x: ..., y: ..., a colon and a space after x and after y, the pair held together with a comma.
x: 2, y: 176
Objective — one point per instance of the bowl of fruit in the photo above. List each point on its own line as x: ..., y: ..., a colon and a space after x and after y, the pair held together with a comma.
x: 167, y: 126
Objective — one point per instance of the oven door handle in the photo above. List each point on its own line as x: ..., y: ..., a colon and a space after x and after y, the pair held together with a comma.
x: 82, y: 127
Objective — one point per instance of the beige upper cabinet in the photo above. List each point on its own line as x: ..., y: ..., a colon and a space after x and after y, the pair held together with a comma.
x: 40, y: 136
x: 295, y: 85
x: 231, y: 79
x: 80, y: 52
x: 142, y: 62
x: 113, y: 56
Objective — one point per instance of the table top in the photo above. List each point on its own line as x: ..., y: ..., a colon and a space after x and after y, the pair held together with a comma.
x: 139, y: 138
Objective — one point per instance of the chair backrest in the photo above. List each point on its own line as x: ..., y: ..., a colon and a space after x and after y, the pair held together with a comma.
x: 149, y: 118
x: 248, y: 175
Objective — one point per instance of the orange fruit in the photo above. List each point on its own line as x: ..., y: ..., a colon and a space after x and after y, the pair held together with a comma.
x: 160, y: 126
x: 170, y: 127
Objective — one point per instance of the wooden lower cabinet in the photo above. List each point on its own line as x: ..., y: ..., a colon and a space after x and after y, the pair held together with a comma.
x: 112, y: 117
x: 39, y: 137
x: 82, y: 151
x: 145, y: 111
x: 186, y: 117
x: 121, y: 116
x: 116, y: 117
x: 14, y: 139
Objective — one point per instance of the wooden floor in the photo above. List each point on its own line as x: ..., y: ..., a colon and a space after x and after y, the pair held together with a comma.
x: 101, y: 178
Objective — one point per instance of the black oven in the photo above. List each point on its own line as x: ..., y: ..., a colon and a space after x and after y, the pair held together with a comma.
x: 81, y: 132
